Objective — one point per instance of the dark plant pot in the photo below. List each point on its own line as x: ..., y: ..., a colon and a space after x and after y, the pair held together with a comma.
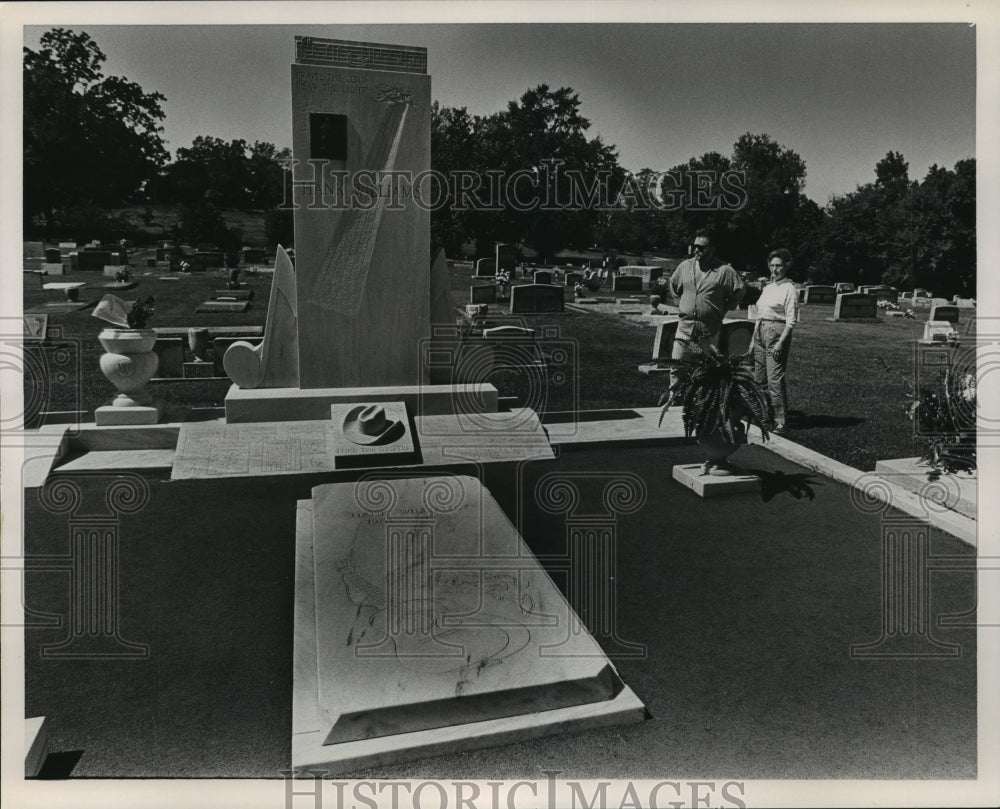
x: 717, y: 451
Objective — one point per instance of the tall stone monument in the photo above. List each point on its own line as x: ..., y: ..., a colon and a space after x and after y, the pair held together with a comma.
x: 360, y: 128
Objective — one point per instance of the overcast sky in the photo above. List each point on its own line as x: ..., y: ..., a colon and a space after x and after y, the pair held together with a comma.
x: 841, y: 95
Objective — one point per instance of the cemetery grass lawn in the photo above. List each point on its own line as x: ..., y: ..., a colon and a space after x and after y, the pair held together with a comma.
x: 848, y: 382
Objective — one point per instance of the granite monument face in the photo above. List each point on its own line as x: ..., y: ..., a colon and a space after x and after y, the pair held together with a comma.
x: 360, y: 114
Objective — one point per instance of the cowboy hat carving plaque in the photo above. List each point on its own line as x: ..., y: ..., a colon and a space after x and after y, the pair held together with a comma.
x: 372, y: 434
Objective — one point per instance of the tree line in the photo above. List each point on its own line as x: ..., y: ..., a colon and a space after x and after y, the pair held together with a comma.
x: 94, y: 142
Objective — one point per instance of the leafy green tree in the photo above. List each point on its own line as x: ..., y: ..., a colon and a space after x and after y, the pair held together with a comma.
x: 89, y: 139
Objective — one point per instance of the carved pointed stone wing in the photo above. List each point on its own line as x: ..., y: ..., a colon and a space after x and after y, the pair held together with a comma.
x: 275, y: 362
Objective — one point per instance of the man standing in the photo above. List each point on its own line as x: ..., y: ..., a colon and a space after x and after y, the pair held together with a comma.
x: 706, y: 289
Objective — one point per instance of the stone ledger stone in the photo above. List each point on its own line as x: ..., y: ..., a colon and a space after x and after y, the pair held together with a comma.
x: 422, y: 619
x: 362, y: 273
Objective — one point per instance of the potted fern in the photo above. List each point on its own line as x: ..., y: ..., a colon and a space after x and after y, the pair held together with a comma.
x: 719, y: 400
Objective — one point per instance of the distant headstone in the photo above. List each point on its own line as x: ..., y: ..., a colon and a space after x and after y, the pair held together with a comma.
x: 543, y: 277
x: 162, y: 254
x: 53, y: 256
x: 855, y: 306
x: 944, y: 311
x: 626, y: 283
x: 506, y: 258
x: 55, y: 268
x: 65, y: 248
x: 34, y: 250
x: 648, y: 274
x: 939, y: 331
x: 536, y: 298
x: 252, y: 255
x: 486, y: 266
x: 93, y: 260
x: 208, y: 258
x: 171, y: 353
x: 736, y: 337
x: 663, y: 342
x: 843, y: 286
x: 818, y: 293
x: 198, y: 370
x: 485, y: 293
x: 573, y: 278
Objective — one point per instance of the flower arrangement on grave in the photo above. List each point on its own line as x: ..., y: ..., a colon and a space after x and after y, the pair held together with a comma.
x: 944, y: 417
x: 122, y: 276
x: 720, y: 400
x: 503, y: 282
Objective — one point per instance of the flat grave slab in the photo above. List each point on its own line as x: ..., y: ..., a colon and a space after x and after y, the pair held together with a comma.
x: 706, y: 486
x: 115, y: 285
x: 222, y: 306
x: 96, y: 460
x: 471, y: 645
x: 513, y: 435
x: 232, y: 294
x: 63, y: 285
x: 59, y: 307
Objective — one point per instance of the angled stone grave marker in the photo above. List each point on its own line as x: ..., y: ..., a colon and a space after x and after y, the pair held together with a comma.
x: 274, y: 362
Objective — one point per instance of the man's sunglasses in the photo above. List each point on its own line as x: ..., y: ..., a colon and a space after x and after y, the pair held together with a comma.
x: 702, y: 247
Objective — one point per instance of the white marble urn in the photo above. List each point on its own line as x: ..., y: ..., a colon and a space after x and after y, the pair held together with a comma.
x: 129, y: 363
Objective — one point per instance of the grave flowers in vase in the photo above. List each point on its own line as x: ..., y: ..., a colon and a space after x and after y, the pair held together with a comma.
x: 719, y: 400
x: 129, y: 362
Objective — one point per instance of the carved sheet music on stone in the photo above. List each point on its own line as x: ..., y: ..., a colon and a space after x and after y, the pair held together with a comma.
x: 340, y: 284
x: 214, y: 449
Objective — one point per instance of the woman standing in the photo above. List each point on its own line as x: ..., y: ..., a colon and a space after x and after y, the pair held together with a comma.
x: 777, y: 314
